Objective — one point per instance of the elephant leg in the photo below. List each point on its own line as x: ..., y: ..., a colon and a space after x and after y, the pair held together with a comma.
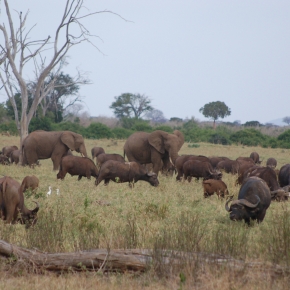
x: 30, y: 158
x: 56, y: 158
x: 107, y: 180
x: 156, y: 161
x: 80, y: 177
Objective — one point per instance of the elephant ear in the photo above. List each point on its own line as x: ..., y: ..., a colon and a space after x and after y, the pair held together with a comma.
x: 180, y: 137
x: 68, y: 139
x: 156, y: 139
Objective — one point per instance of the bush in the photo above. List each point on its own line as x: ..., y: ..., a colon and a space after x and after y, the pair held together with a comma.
x: 249, y: 137
x: 285, y: 136
x: 10, y: 127
x: 164, y: 128
x: 121, y: 133
x: 98, y: 131
x: 69, y: 126
x: 42, y: 123
x: 142, y: 127
x: 220, y: 136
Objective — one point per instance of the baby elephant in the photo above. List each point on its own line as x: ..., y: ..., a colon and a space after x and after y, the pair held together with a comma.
x: 4, y: 160
x: 103, y: 157
x: 125, y: 172
x: 75, y: 165
x: 30, y: 181
x: 96, y: 151
x: 211, y: 186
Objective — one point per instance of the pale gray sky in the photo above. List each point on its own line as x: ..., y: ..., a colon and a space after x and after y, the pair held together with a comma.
x: 182, y: 54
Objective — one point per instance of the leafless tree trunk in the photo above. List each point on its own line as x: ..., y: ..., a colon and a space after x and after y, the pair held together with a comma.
x: 18, y: 50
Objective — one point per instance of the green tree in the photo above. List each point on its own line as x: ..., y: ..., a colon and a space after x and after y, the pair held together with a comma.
x: 215, y: 110
x: 3, y: 113
x: 130, y: 105
x: 286, y: 120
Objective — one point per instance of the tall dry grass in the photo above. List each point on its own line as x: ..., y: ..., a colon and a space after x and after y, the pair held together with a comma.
x: 173, y: 216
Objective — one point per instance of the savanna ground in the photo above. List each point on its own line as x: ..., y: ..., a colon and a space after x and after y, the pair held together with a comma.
x: 173, y: 216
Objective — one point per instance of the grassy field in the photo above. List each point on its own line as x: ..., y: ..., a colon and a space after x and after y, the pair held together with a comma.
x: 173, y: 216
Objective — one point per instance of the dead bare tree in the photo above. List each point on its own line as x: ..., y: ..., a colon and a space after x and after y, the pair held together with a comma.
x: 18, y: 50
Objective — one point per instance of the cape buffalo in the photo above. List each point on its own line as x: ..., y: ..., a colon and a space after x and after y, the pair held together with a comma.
x: 229, y: 166
x: 253, y: 200
x: 12, y: 203
x: 125, y: 172
x: 200, y: 169
x: 243, y: 167
x: 271, y: 162
x: 76, y: 165
x: 269, y: 176
x: 103, y: 157
x: 255, y: 156
x: 211, y: 186
x: 247, y: 159
x: 215, y: 160
x: 182, y: 159
x: 284, y: 175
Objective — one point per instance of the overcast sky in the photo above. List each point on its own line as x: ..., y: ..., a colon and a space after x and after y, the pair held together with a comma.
x: 181, y: 54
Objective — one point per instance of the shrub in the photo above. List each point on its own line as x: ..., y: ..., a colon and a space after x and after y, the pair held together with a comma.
x: 69, y: 126
x: 164, y: 128
x: 98, y: 131
x: 142, y: 126
x: 249, y: 137
x: 121, y: 133
x: 42, y: 123
x: 285, y: 136
x: 220, y: 136
x: 9, y: 126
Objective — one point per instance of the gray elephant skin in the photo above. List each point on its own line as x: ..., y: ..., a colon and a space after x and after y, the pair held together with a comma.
x: 157, y: 148
x: 54, y: 145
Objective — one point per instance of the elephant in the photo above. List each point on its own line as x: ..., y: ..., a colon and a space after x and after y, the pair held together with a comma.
x: 159, y: 148
x: 54, y: 145
x: 8, y: 149
x: 96, y: 151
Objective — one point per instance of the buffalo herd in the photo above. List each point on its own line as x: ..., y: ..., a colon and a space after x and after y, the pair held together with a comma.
x: 259, y: 184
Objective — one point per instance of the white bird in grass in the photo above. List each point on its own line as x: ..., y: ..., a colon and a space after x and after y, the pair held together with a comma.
x: 49, y: 191
x: 57, y: 191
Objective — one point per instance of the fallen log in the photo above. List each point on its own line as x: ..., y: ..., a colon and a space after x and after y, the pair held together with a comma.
x: 129, y: 260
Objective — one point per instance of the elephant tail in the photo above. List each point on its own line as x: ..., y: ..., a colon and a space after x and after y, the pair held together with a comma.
x: 124, y: 155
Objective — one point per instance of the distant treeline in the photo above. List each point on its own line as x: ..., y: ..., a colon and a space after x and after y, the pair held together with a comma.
x: 192, y: 130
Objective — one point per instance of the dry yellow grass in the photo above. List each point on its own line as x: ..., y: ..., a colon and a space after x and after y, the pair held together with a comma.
x: 173, y: 216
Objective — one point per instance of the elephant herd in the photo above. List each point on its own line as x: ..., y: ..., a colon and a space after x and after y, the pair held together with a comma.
x: 157, y: 151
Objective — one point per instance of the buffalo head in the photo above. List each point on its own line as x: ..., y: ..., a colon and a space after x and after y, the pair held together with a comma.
x: 241, y: 209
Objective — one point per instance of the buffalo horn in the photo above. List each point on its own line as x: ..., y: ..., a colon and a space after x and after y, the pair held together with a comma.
x: 230, y: 198
x: 151, y: 173
x: 273, y: 193
x: 37, y: 207
x: 247, y: 203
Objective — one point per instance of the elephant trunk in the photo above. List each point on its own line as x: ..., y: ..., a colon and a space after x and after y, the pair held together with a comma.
x: 83, y: 151
x: 173, y: 154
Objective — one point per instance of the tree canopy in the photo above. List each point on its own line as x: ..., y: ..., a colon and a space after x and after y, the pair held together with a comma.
x: 286, y: 120
x: 215, y: 110
x: 130, y: 105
